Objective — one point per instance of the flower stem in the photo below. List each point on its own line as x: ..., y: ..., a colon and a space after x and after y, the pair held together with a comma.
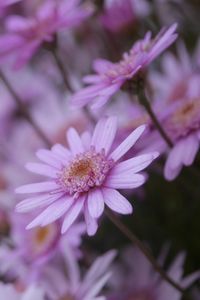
x: 23, y: 110
x: 61, y: 69
x: 144, y: 101
x: 133, y: 238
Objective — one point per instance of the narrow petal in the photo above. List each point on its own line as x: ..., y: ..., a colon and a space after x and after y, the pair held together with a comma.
x: 127, y: 181
x: 49, y: 158
x: 191, y: 149
x: 135, y: 164
x: 47, y: 186
x: 38, y: 201
x: 95, y: 203
x: 74, y: 141
x: 72, y: 214
x: 127, y: 143
x: 52, y: 213
x: 63, y: 153
x: 104, y: 134
x: 97, y: 286
x: 91, y: 223
x: 42, y: 169
x: 117, y: 202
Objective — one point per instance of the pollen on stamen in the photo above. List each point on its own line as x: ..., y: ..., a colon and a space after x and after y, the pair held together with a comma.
x: 85, y: 171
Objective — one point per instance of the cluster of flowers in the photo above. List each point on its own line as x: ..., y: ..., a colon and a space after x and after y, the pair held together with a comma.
x: 44, y: 250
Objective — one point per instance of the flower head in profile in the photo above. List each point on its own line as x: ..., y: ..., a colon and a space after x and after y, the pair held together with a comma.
x: 111, y: 77
x: 74, y: 285
x: 23, y: 36
x: 84, y: 177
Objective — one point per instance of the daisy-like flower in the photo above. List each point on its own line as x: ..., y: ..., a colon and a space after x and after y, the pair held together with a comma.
x: 85, y: 177
x: 24, y: 36
x: 58, y: 286
x: 118, y: 14
x: 111, y: 77
x: 183, y: 125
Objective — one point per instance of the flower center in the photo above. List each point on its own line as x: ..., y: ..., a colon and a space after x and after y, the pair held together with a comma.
x: 42, y: 239
x: 85, y: 171
x: 185, y: 119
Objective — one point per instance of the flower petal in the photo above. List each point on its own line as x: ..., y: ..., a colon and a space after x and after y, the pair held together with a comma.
x: 117, y: 202
x: 95, y: 203
x: 40, y: 187
x: 127, y: 143
x: 191, y: 149
x: 42, y: 169
x: 49, y: 158
x: 135, y: 164
x: 29, y: 204
x: 104, y: 134
x: 72, y: 214
x: 91, y: 223
x: 52, y: 212
x: 74, y: 141
x: 127, y: 181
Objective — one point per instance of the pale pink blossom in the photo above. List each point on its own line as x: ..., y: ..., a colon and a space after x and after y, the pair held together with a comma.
x: 110, y: 77
x: 85, y: 177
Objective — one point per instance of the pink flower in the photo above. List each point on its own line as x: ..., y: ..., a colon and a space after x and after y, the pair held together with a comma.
x: 110, y: 76
x: 118, y: 14
x: 73, y: 286
x: 24, y: 36
x: 85, y: 177
x: 183, y: 126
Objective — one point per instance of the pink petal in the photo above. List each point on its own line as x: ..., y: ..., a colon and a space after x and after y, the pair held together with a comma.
x: 63, y: 153
x: 42, y: 169
x: 104, y: 134
x: 191, y: 149
x: 49, y: 157
x: 117, y: 202
x: 127, y: 143
x: 52, y: 213
x: 102, y: 65
x: 72, y: 214
x: 47, y: 186
x: 135, y: 164
x: 95, y: 203
x: 74, y: 141
x: 37, y: 201
x: 103, y: 96
x: 91, y: 223
x: 127, y: 181
x: 174, y: 161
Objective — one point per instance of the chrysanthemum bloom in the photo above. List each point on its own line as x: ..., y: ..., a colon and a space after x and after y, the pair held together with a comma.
x: 177, y: 73
x: 111, y: 77
x: 118, y: 14
x: 72, y: 286
x: 85, y: 177
x: 34, y: 250
x: 24, y: 36
x: 183, y: 126
x: 134, y: 278
x: 8, y: 291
